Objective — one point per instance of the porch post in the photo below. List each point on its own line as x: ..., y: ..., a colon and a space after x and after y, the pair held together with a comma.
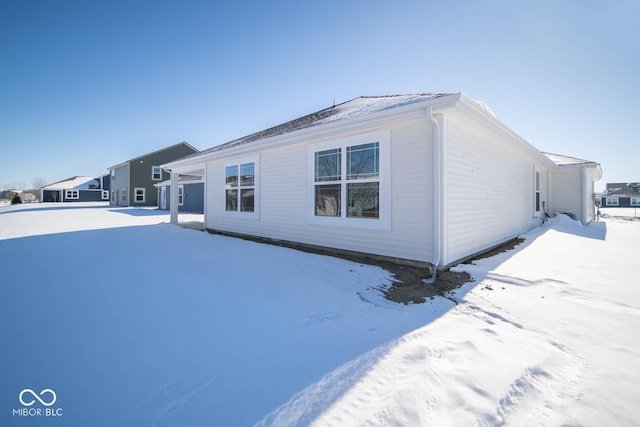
x: 173, y: 203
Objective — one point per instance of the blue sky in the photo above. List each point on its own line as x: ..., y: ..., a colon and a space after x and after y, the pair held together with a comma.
x: 88, y: 84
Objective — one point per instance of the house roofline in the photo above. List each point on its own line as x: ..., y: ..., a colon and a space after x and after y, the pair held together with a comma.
x: 153, y: 152
x: 320, y: 130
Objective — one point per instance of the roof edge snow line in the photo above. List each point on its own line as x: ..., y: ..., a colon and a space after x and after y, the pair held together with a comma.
x: 347, y: 114
x: 75, y: 182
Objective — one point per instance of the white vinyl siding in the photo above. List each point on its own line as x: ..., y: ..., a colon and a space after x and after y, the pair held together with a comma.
x: 285, y: 197
x: 490, y: 188
x: 566, y: 195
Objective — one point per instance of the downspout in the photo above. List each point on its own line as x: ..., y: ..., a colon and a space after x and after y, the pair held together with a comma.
x: 437, y: 195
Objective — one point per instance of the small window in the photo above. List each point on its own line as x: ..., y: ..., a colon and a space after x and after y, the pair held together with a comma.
x: 105, y: 194
x: 72, y: 194
x: 139, y: 194
x: 180, y: 195
x: 612, y: 201
x: 240, y: 182
x: 113, y: 175
x: 123, y: 195
x: 156, y: 173
x: 635, y: 201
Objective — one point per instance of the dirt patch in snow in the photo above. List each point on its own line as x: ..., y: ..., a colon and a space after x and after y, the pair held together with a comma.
x: 412, y: 288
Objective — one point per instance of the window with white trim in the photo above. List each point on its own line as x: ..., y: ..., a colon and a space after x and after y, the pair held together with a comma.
x: 180, y: 195
x: 240, y: 187
x: 123, y: 195
x: 349, y: 185
x: 635, y: 201
x: 71, y: 194
x: 113, y: 175
x: 139, y: 194
x: 156, y: 173
x: 105, y: 195
x: 612, y: 201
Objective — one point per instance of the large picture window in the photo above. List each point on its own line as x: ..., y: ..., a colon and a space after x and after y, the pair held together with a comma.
x: 240, y: 187
x: 348, y: 181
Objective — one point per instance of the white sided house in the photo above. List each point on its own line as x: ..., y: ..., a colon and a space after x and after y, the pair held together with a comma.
x: 428, y: 179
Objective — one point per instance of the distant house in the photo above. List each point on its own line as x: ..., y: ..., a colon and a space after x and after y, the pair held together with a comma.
x: 190, y: 194
x: 75, y: 189
x: 430, y: 179
x: 621, y: 195
x: 132, y: 182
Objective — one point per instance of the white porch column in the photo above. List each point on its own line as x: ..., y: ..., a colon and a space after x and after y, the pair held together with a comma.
x: 173, y: 203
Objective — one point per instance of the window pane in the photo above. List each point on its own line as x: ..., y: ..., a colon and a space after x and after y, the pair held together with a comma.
x: 328, y: 200
x: 232, y: 200
x: 231, y: 176
x: 247, y: 175
x: 327, y: 165
x: 363, y: 161
x: 363, y: 200
x: 247, y: 200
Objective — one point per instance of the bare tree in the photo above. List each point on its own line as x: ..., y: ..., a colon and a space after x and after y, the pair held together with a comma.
x: 38, y: 182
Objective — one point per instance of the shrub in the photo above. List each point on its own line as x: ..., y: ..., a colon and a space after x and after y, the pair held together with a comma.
x: 16, y: 199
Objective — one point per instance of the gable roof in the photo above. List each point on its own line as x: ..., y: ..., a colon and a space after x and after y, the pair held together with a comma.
x: 186, y: 144
x: 74, y: 183
x: 356, y: 107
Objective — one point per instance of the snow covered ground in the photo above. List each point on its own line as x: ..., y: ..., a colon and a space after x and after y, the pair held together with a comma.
x: 131, y: 321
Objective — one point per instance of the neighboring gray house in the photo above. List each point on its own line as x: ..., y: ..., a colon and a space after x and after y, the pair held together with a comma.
x: 75, y: 189
x: 621, y: 195
x: 427, y: 178
x: 190, y: 194
x: 132, y: 182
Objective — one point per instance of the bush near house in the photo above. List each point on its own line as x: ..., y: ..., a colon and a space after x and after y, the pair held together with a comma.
x: 16, y: 199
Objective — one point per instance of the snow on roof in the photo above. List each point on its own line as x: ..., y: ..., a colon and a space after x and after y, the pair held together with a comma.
x: 354, y: 108
x: 75, y: 183
x: 562, y: 160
